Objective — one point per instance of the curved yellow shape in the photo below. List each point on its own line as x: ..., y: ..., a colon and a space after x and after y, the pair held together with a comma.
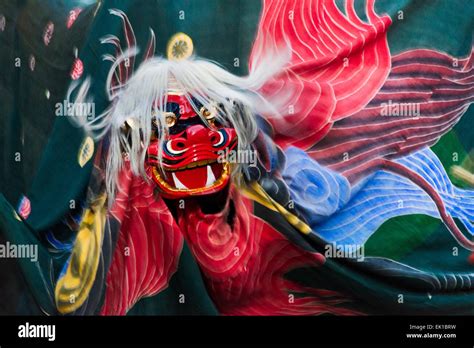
x: 86, y: 150
x: 258, y: 194
x: 72, y: 288
x: 463, y: 174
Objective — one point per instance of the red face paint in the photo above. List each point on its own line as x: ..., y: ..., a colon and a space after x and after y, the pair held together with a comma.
x: 192, y: 151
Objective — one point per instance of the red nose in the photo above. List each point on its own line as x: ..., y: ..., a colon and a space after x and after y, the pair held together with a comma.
x: 199, y: 134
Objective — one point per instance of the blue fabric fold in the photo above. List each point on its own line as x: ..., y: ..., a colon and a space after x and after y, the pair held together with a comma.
x: 342, y: 214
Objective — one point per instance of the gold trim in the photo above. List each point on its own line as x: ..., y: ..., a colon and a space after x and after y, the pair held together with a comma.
x: 224, y: 176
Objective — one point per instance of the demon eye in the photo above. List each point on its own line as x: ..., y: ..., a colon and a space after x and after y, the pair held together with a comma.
x: 180, y: 145
x: 220, y: 139
x: 170, y: 118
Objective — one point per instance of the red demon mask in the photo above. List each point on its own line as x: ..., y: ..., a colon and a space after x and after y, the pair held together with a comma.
x: 191, y: 159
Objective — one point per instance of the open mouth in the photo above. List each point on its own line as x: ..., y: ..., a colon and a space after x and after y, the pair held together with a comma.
x: 195, y: 178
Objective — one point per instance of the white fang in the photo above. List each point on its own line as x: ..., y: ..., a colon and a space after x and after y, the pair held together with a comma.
x: 210, y: 177
x: 178, y: 184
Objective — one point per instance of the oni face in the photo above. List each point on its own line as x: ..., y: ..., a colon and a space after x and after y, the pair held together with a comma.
x: 191, y: 153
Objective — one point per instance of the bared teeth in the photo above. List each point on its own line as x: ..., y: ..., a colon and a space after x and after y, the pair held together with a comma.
x: 211, y: 179
x: 178, y: 184
x: 198, y: 164
x: 192, y: 165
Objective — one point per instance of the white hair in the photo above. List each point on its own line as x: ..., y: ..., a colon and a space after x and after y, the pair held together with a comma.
x: 143, y: 100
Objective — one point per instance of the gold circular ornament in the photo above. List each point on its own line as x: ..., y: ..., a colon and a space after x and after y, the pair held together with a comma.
x: 206, y: 113
x: 180, y: 47
x: 170, y: 118
x: 209, y: 115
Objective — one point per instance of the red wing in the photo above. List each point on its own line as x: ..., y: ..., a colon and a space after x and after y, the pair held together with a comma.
x: 441, y: 86
x: 148, y: 247
x: 338, y: 64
